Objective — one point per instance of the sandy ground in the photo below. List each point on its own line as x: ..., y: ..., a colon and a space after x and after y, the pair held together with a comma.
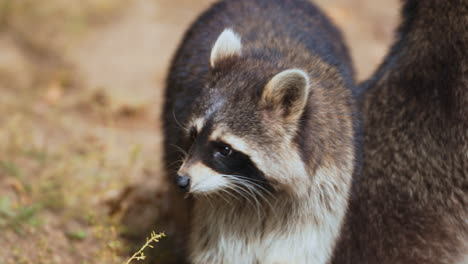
x: 80, y: 95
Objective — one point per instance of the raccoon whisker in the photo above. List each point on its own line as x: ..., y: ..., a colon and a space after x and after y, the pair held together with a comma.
x: 247, y: 182
x: 258, y: 207
x: 248, y: 179
x: 177, y: 121
x: 176, y: 162
x: 242, y: 193
x: 249, y: 192
x: 229, y: 187
x: 257, y: 185
x: 231, y: 195
x: 255, y: 182
x: 180, y: 150
x: 227, y: 193
x: 222, y: 197
x: 204, y: 197
x: 264, y: 194
x: 209, y: 201
x: 232, y: 187
x: 243, y: 178
x: 253, y: 193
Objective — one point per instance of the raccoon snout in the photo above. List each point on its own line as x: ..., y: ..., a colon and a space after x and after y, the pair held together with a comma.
x: 183, y: 182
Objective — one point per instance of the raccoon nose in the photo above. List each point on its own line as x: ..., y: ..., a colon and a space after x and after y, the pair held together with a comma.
x: 183, y: 182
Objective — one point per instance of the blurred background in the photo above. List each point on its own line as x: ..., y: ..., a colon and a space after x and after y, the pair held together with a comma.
x: 81, y: 87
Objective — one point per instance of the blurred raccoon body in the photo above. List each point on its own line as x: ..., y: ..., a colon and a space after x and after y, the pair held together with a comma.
x: 259, y: 101
x: 410, y: 205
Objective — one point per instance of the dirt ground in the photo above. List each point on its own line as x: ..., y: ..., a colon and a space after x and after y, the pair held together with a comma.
x: 80, y: 97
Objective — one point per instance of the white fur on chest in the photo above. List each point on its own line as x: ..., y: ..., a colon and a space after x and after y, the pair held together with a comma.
x: 305, y: 244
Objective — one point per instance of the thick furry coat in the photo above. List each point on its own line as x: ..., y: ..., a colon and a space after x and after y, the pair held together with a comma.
x: 410, y: 204
x: 302, y: 155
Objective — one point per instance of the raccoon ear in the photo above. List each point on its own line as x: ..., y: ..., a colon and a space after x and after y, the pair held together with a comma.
x: 286, y: 94
x: 228, y: 44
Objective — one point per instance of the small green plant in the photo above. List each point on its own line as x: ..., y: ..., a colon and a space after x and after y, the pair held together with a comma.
x: 17, y: 218
x: 76, y: 235
x: 140, y: 255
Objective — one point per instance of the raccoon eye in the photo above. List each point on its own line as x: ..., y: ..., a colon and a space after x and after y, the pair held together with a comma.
x: 223, y: 150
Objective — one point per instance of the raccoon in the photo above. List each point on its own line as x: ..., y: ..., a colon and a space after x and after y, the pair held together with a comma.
x: 410, y: 204
x: 260, y: 113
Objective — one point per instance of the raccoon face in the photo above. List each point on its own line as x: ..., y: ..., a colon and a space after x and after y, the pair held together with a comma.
x: 243, y: 125
x: 214, y: 164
